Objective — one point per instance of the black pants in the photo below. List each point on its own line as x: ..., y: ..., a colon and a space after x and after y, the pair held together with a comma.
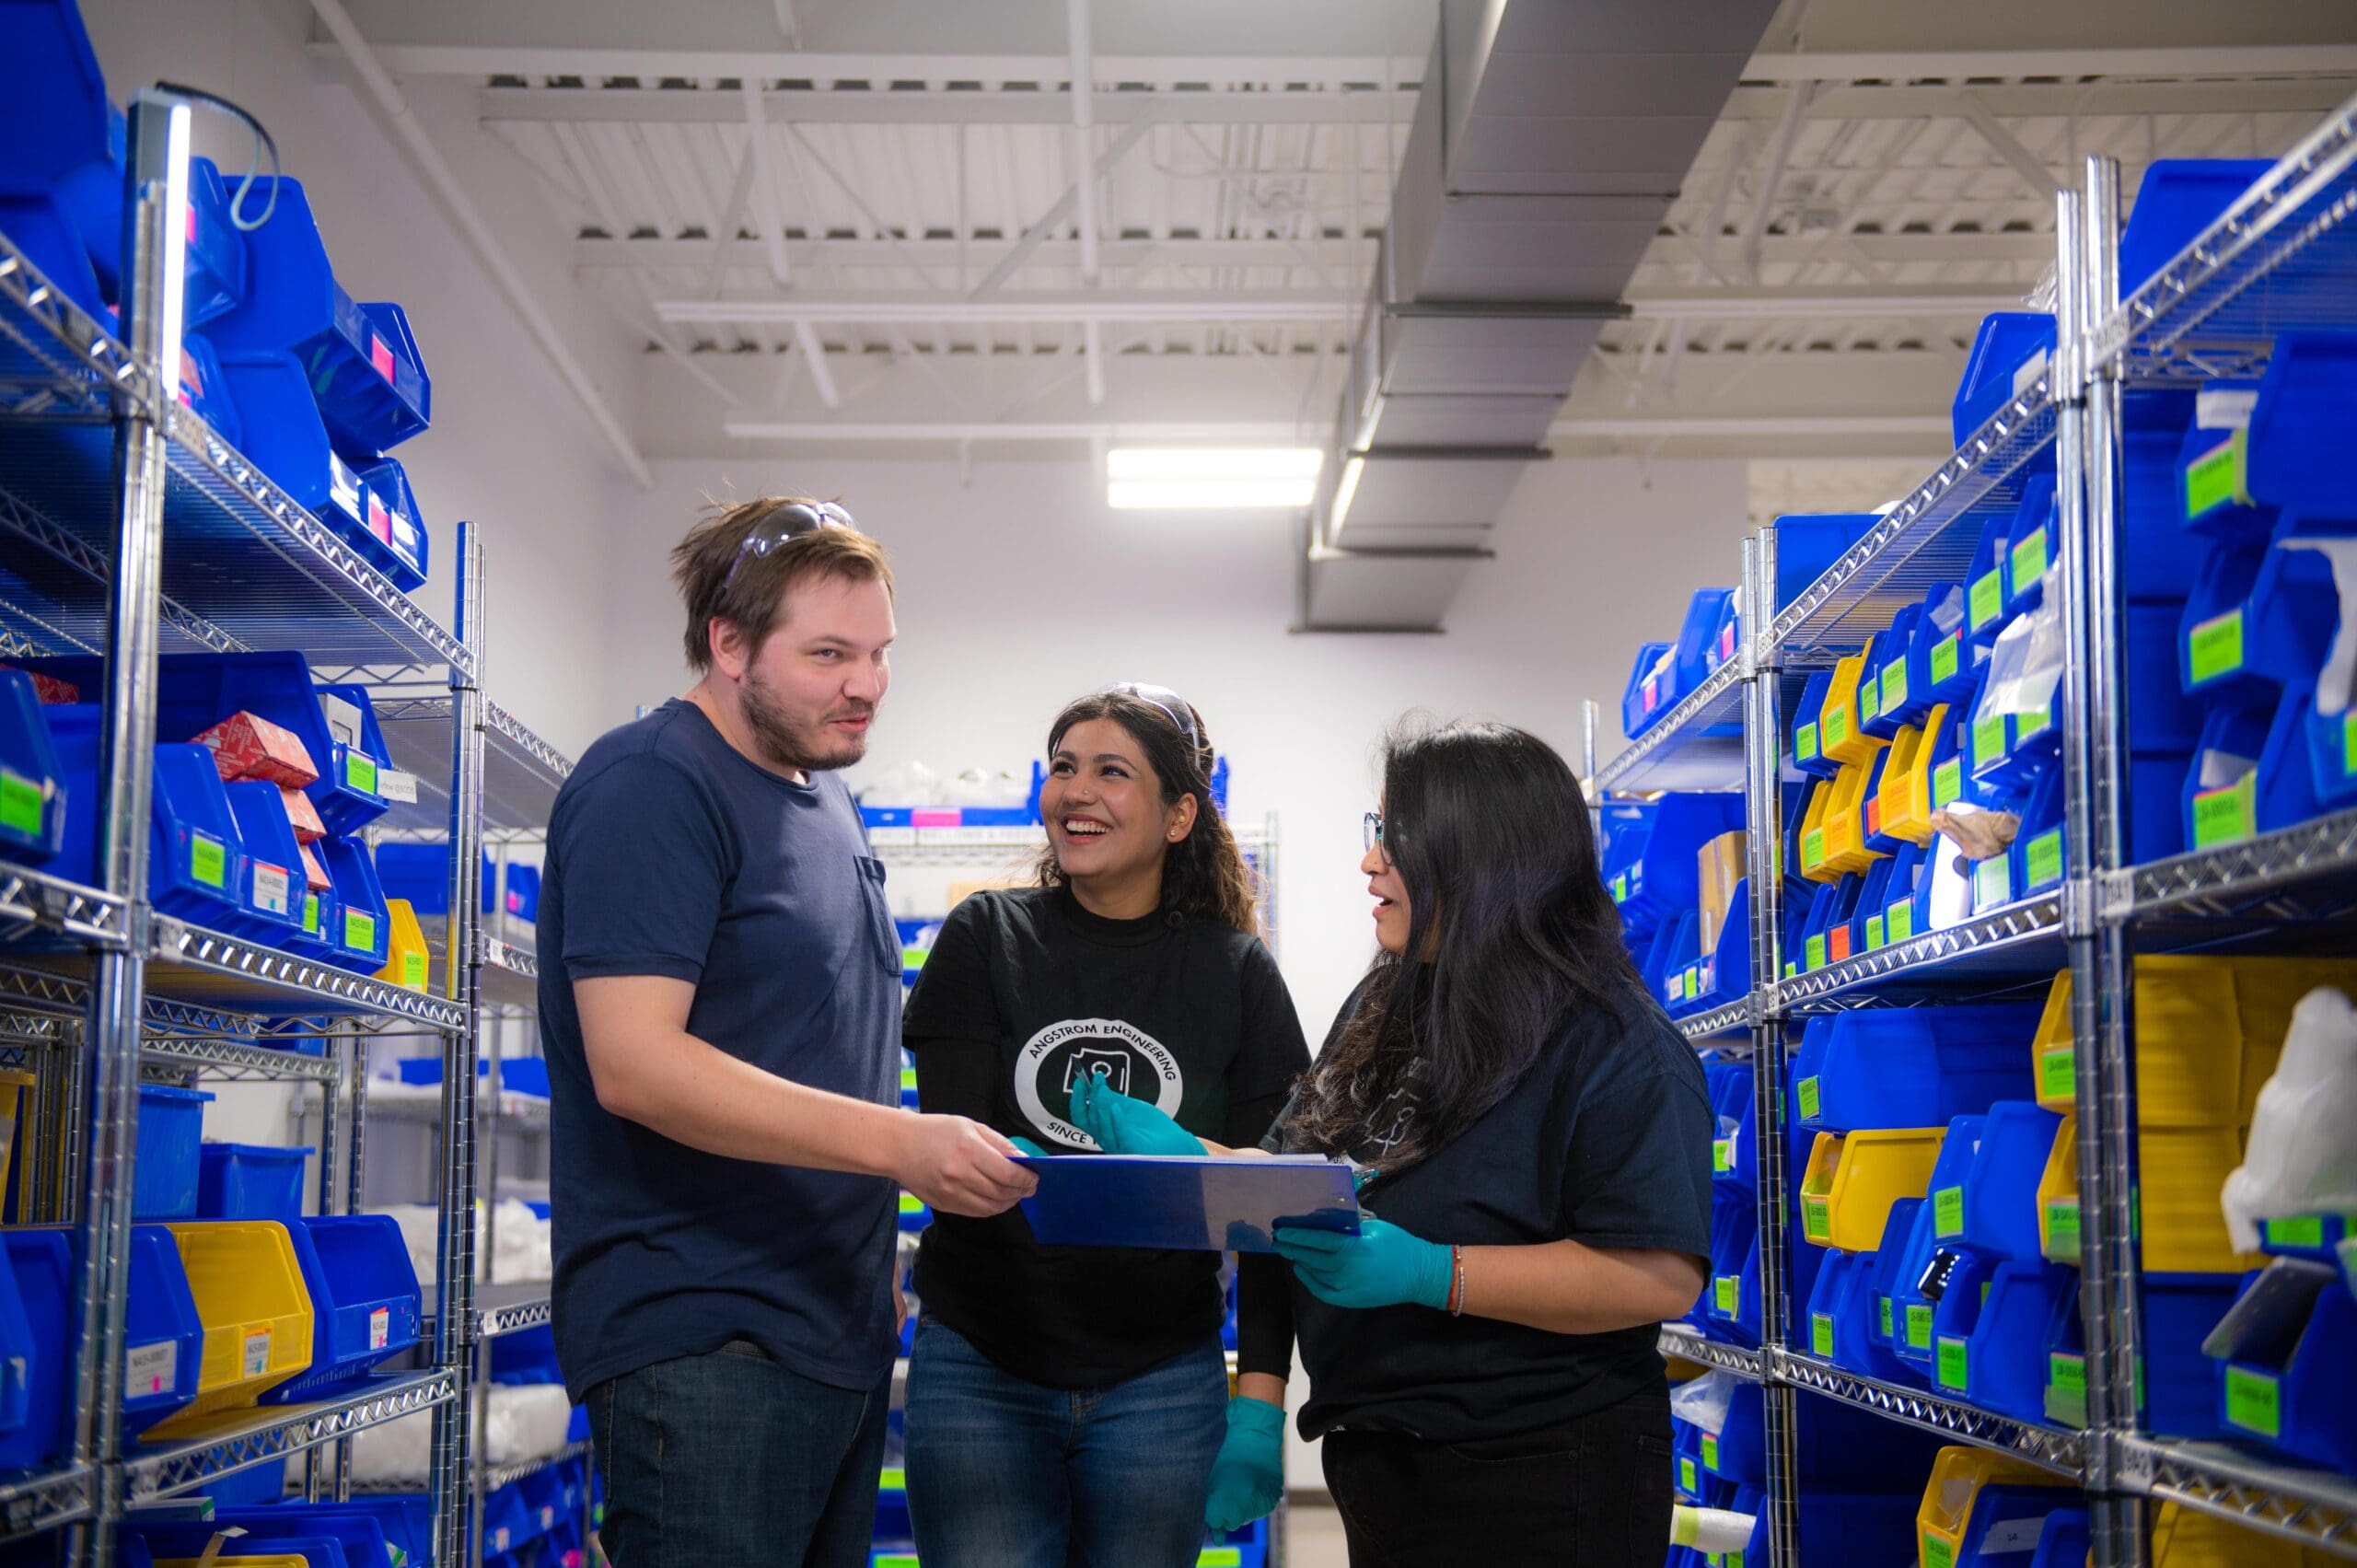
x: 1592, y: 1494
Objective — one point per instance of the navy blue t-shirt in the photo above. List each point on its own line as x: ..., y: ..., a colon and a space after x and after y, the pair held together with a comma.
x: 670, y: 854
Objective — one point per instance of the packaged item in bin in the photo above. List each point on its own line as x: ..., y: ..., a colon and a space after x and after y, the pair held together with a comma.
x: 247, y: 745
x: 315, y: 876
x: 2300, y: 1160
x: 305, y: 817
x: 1719, y: 867
x: 51, y: 691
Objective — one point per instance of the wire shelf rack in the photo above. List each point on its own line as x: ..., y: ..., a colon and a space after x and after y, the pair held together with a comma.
x: 1685, y: 749
x: 31, y: 1503
x: 2019, y: 943
x: 1683, y: 1341
x: 2058, y: 1450
x: 2305, y: 872
x: 2315, y: 1507
x: 240, y: 1439
x: 32, y: 901
x: 1719, y: 1024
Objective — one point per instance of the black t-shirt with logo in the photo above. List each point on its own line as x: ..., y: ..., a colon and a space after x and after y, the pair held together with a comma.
x: 1604, y: 1140
x: 1024, y: 991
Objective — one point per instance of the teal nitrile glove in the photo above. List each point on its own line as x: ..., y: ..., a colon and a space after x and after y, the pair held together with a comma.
x: 1249, y: 1474
x: 1381, y: 1266
x: 1028, y: 1148
x: 1124, y: 1126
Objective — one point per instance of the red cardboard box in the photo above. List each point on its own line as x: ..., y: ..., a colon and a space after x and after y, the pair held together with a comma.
x: 49, y: 690
x: 315, y: 876
x: 247, y: 745
x: 308, y: 828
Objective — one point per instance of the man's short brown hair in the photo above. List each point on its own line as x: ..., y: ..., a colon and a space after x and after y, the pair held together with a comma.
x: 753, y: 601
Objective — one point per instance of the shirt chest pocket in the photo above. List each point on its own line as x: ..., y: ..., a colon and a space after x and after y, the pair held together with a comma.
x: 883, y: 937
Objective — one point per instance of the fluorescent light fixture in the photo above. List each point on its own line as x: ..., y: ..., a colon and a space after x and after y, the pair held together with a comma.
x: 1196, y: 478
x: 1345, y: 490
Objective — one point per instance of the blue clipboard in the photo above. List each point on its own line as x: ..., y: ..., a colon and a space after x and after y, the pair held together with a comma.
x: 1185, y: 1203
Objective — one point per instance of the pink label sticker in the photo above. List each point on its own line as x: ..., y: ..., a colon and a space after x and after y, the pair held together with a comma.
x: 937, y: 817
x: 515, y: 903
x: 380, y: 522
x: 1726, y: 641
x: 1652, y: 696
x: 192, y: 225
x: 380, y: 356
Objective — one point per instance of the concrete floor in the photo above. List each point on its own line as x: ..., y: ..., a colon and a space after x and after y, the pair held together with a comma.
x: 1314, y: 1538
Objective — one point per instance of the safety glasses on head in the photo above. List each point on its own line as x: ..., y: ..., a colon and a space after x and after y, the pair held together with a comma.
x: 789, y: 521
x: 1174, y: 707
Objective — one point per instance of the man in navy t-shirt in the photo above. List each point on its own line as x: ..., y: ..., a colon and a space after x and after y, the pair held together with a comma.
x: 720, y: 996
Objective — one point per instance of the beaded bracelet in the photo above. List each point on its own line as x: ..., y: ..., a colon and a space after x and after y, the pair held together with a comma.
x: 1456, y: 1281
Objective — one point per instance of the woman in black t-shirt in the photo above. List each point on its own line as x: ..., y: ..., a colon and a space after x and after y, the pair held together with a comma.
x: 1065, y: 1404
x: 1536, y: 1140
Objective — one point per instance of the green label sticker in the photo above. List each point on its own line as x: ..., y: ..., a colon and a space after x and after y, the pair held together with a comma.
x: 1894, y: 686
x: 1835, y: 724
x: 1874, y: 932
x: 1987, y: 600
x: 2063, y: 1230
x: 312, y: 913
x: 1869, y: 696
x: 1944, y: 656
x: 2030, y: 726
x: 1816, y: 953
x: 1948, y: 783
x: 1723, y: 1295
x: 1620, y: 887
x: 1952, y: 1362
x: 2304, y: 1230
x: 1919, y: 1326
x: 208, y: 860
x: 360, y: 771
x: 895, y: 1479
x: 910, y: 1204
x: 1220, y: 1557
x: 2042, y: 860
x: 1805, y: 743
x: 883, y: 1559
x: 1947, y: 1210
x: 914, y: 958
x: 2349, y: 742
x: 1898, y: 921
x: 2028, y: 562
x: 2216, y: 478
x: 1710, y: 1451
x: 1992, y: 884
x: 2253, y: 1401
x: 1882, y: 1315
x: 413, y: 971
x: 2215, y: 647
x: 1820, y: 1334
x: 1813, y: 849
x: 20, y: 803
x: 2058, y: 1074
x: 1722, y: 1155
x: 1937, y: 1553
x: 1817, y: 1219
x: 2226, y: 815
x: 1988, y: 740
x: 359, y: 930
x: 1810, y: 1102
x: 2066, y: 1389
x: 1687, y: 1482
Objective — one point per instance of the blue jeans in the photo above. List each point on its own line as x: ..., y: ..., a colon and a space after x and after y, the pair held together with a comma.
x: 729, y: 1460
x: 1005, y: 1474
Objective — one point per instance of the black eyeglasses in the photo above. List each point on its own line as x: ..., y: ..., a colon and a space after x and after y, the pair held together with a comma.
x: 1174, y: 707
x: 786, y: 522
x: 1371, y: 833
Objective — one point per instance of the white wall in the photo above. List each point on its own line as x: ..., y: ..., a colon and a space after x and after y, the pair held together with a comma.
x: 1019, y: 590
x: 510, y: 447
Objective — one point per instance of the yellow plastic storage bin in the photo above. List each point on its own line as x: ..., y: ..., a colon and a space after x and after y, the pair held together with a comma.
x: 2184, y: 1538
x: 1905, y: 799
x: 1839, y: 734
x: 13, y: 1085
x: 1854, y: 1178
x: 407, y: 959
x: 2209, y: 1032
x: 2181, y: 1171
x: 1957, y: 1476
x: 256, y: 1312
x: 1833, y: 836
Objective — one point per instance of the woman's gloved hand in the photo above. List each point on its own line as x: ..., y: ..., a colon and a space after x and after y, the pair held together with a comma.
x: 1124, y: 1126
x: 1381, y: 1266
x: 1249, y: 1474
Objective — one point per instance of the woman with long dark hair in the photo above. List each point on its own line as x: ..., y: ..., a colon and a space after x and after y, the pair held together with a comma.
x: 1071, y: 1405
x: 1535, y: 1142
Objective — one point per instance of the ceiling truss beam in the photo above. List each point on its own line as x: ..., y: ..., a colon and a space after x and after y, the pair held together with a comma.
x: 686, y: 106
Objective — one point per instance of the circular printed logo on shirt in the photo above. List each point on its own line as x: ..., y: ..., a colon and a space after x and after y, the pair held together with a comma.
x: 1132, y: 1062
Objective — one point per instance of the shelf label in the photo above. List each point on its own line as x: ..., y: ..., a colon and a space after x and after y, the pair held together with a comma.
x: 1836, y: 723
x: 360, y: 771
x: 1988, y: 740
x: 1882, y: 1315
x: 1948, y: 783
x: 1947, y: 1210
x: 380, y: 1328
x: 2225, y: 408
x: 2027, y: 561
x: 1813, y: 849
x: 1837, y: 942
x: 394, y: 784
x: 1945, y: 654
x: 2215, y: 647
x: 2253, y: 1401
x: 2066, y: 1389
x: 2063, y: 1230
x: 312, y: 913
x: 2058, y: 1074
x: 1898, y: 921
x: 2042, y: 860
x: 208, y: 860
x: 270, y: 888
x: 359, y: 930
x: 2304, y: 1230
x: 380, y: 356
x: 256, y: 1358
x: 1621, y: 888
x: 154, y: 1368
x: 1805, y: 743
x: 1688, y: 1480
x: 2226, y: 815
x: 2219, y: 476
x: 1722, y: 1155
x: 1953, y: 1360
x: 1723, y: 1289
x: 1919, y: 1326
x: 1894, y: 686
x: 1727, y: 642
x: 1987, y: 599
x: 1710, y: 1451
x: 1874, y: 817
x: 1870, y: 697
x: 1807, y: 1089
x: 413, y: 971
x: 1820, y: 1334
x: 1991, y: 884
x: 1874, y: 932
x: 1210, y: 1557
x: 1651, y: 694
x: 1938, y: 1553
x: 2349, y: 743
x: 1815, y: 1219
x: 21, y: 801
x: 1815, y: 952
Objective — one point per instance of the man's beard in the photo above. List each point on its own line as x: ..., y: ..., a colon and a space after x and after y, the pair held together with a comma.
x: 799, y: 746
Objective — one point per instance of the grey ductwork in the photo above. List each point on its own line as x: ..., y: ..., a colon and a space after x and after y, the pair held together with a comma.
x: 1549, y: 140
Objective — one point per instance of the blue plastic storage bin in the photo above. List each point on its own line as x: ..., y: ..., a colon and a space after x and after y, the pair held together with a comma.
x: 1984, y: 1189
x: 1911, y: 1306
x: 1984, y: 581
x: 2213, y: 464
x: 1889, y: 692
x: 1884, y: 1282
x: 420, y: 874
x: 1651, y: 681
x: 2299, y: 429
x: 506, y: 1526
x: 1807, y: 544
x: 249, y: 1182
x: 32, y: 783
x: 1944, y: 660
x: 75, y: 734
x: 396, y: 540
x: 365, y: 1299
x: 2041, y: 851
x: 527, y: 1358
x: 163, y: 1337
x: 2062, y: 1539
x: 2286, y: 1384
x: 1663, y: 881
x: 1991, y: 1344
x: 522, y: 897
x: 54, y: 120
x: 1804, y: 750
x: 2175, y: 201
x: 2180, y: 1383
x: 2009, y: 354
x: 197, y: 860
x: 1709, y: 619
x: 2155, y: 557
x: 358, y: 1529
x: 1857, y: 1527
x: 362, y: 928
x: 2032, y: 544
x: 270, y: 908
x: 186, y: 1541
x: 38, y: 1364
x: 2003, y: 1516
x: 2257, y: 616
x: 1875, y: 1068
x: 1842, y: 1319
x: 1840, y: 1448
x: 166, y: 1178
